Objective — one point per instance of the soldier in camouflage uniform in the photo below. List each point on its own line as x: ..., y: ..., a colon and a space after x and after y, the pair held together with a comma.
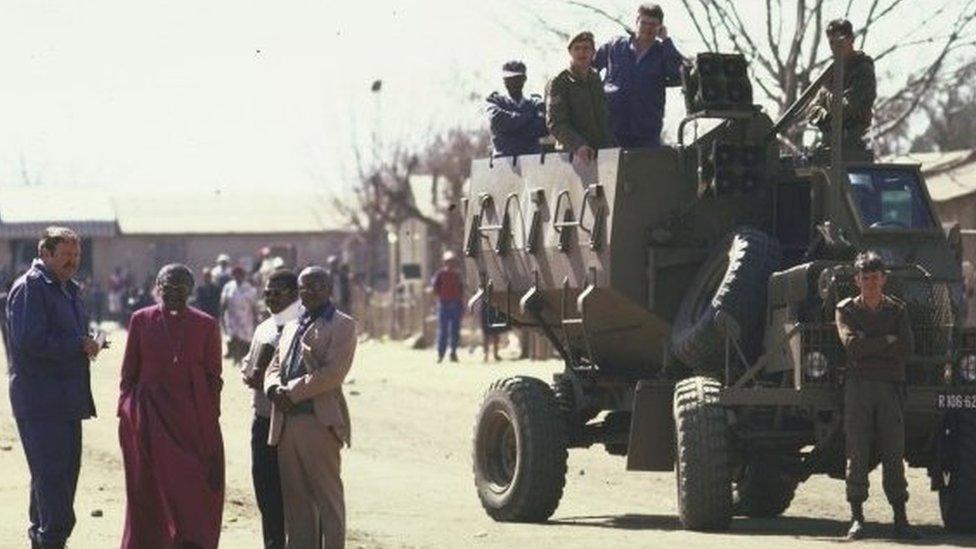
x: 876, y: 333
x: 860, y: 91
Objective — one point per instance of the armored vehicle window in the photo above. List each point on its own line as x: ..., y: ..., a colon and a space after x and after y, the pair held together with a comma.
x: 889, y: 198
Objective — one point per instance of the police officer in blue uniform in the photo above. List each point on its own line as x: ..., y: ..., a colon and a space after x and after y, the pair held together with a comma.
x: 50, y: 389
x: 517, y: 122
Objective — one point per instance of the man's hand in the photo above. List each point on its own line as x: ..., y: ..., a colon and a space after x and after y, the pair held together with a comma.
x: 90, y: 347
x: 281, y: 400
x: 891, y: 338
x: 255, y: 381
x: 583, y: 155
x: 662, y: 32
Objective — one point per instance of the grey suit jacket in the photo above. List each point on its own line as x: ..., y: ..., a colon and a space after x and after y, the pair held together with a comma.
x: 327, y: 349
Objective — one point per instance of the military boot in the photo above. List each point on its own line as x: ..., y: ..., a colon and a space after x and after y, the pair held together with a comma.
x: 856, y: 531
x: 901, y: 528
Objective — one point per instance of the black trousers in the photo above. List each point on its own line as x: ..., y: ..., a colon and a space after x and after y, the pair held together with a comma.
x: 267, y: 484
x: 53, y: 451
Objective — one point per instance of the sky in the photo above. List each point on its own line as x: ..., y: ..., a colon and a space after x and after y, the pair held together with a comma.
x: 241, y: 94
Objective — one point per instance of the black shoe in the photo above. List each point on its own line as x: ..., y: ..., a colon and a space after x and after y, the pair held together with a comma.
x: 903, y: 531
x: 856, y: 531
x: 454, y: 357
x: 440, y: 359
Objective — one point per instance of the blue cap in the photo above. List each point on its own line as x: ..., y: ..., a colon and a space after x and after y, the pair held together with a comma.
x: 513, y: 68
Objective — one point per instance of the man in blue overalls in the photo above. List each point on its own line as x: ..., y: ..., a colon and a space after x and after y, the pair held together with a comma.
x: 638, y: 67
x: 50, y: 389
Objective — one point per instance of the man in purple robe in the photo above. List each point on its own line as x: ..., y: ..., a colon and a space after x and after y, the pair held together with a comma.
x: 169, y: 427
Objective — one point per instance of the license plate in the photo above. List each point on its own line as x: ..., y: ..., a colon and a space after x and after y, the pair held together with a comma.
x: 956, y: 401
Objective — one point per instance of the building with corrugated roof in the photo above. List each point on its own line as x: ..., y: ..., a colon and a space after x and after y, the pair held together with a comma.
x: 143, y: 231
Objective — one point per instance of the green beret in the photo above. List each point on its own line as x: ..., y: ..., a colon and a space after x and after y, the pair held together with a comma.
x: 584, y: 36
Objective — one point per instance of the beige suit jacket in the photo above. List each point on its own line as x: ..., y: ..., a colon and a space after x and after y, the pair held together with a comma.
x: 327, y: 349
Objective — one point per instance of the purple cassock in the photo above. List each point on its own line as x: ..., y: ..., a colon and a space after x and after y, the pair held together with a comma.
x: 169, y: 430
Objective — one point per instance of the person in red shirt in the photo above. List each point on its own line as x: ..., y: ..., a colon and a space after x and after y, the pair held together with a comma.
x: 449, y: 288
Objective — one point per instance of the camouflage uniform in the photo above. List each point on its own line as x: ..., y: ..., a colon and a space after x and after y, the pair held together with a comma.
x: 577, y: 112
x: 873, y: 393
x: 860, y: 91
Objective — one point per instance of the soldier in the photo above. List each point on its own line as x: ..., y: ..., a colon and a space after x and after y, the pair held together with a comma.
x: 860, y: 89
x: 875, y: 331
x: 577, y: 113
x: 517, y: 122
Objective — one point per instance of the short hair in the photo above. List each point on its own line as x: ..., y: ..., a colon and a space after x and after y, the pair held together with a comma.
x: 317, y: 276
x: 840, y: 26
x: 585, y: 36
x: 869, y: 262
x: 651, y: 10
x: 285, y: 278
x: 177, y: 272
x: 54, y: 235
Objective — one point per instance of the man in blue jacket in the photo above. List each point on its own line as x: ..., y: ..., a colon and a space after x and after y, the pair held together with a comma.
x: 50, y: 390
x: 517, y: 122
x: 638, y: 67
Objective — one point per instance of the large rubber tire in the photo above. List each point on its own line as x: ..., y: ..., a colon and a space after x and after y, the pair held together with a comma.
x: 957, y: 500
x: 702, y: 469
x: 520, y: 451
x: 764, y: 491
x: 728, y: 295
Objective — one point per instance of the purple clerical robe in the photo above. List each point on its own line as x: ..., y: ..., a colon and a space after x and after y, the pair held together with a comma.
x: 169, y: 430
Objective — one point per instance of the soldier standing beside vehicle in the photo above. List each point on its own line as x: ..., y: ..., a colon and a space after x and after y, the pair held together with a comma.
x: 517, y: 122
x: 877, y: 335
x: 576, y: 110
x: 860, y: 90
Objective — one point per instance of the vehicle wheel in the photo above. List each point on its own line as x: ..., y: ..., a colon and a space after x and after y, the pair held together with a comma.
x: 702, y: 468
x: 764, y: 491
x: 520, y: 451
x: 957, y: 499
x: 728, y: 295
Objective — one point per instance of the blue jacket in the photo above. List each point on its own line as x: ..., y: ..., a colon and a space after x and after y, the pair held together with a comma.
x: 634, y: 88
x: 516, y: 127
x: 46, y: 322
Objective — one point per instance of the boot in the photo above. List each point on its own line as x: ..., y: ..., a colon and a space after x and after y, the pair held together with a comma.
x: 856, y: 531
x: 901, y: 529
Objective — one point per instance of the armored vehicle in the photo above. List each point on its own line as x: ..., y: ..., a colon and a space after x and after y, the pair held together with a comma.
x: 691, y: 291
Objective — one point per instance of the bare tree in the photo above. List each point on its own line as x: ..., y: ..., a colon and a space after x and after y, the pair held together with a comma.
x: 384, y: 196
x: 786, y: 53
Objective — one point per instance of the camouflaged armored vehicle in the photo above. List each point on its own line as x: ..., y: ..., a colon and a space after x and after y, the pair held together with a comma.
x: 690, y: 291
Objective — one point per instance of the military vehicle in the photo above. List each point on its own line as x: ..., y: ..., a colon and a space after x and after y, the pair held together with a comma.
x: 691, y: 292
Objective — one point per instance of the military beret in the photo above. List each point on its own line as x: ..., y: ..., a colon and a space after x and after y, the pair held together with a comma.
x: 584, y: 36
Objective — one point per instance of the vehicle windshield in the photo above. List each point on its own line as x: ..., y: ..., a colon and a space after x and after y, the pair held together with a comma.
x: 890, y: 198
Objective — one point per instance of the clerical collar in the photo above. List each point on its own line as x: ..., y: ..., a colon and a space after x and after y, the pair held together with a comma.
x: 289, y: 313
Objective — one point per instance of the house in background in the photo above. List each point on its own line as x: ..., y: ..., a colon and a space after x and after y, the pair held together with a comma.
x: 142, y: 232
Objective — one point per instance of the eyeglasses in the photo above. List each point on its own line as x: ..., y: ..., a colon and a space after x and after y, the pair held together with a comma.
x: 272, y: 292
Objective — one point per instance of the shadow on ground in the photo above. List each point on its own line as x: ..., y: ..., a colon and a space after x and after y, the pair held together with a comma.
x: 799, y: 527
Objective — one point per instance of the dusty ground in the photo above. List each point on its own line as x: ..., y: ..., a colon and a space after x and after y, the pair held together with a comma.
x: 408, y: 475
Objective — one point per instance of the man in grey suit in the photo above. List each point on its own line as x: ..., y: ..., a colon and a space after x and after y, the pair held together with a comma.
x: 310, y: 419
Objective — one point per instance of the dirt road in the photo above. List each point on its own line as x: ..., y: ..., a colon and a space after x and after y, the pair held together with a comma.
x: 408, y: 474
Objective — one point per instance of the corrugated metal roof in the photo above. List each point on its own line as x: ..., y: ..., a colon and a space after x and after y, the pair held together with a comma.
x: 226, y: 213
x: 25, y: 211
x: 948, y: 175
x: 54, y: 205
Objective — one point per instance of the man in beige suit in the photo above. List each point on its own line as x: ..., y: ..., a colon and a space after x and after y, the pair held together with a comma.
x: 310, y: 420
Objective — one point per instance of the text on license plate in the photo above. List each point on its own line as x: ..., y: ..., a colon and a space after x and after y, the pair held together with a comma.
x: 956, y: 401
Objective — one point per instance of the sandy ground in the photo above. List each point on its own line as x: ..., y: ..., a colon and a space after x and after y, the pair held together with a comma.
x: 408, y: 475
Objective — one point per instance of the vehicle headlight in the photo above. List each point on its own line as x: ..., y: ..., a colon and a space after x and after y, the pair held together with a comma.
x: 815, y: 364
x: 967, y: 368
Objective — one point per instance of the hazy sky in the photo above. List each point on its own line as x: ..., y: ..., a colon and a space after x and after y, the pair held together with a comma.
x: 218, y: 93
